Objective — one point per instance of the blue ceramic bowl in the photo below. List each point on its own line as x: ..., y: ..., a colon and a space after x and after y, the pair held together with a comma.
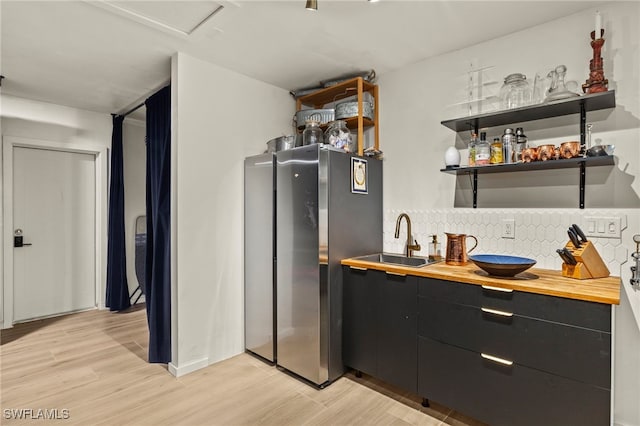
x: 501, y: 265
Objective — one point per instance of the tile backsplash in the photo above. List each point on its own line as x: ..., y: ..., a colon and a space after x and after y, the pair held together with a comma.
x: 538, y: 233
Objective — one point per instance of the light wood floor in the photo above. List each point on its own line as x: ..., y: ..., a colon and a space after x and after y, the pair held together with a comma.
x: 94, y: 364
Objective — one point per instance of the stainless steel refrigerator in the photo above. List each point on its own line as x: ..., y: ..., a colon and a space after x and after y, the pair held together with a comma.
x: 324, y: 214
x: 259, y: 255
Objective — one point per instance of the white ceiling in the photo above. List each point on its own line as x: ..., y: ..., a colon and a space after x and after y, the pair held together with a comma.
x: 97, y: 56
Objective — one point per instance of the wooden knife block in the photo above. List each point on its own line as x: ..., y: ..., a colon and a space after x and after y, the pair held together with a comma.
x: 590, y: 264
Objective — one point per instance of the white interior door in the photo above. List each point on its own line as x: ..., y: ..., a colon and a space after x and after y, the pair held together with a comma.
x: 54, y: 209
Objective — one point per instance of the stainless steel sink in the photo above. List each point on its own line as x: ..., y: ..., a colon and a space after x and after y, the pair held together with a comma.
x: 396, y: 259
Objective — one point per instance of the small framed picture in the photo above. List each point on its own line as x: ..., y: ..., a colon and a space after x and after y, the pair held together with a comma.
x: 359, y: 177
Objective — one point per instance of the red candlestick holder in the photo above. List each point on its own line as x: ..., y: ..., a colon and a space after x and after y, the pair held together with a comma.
x: 596, y: 81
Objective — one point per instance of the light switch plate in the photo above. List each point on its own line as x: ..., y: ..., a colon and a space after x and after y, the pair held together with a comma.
x: 602, y: 227
x: 508, y: 228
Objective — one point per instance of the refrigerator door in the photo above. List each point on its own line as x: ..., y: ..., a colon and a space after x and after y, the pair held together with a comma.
x: 298, y: 269
x: 320, y: 221
x: 354, y: 228
x: 259, y: 252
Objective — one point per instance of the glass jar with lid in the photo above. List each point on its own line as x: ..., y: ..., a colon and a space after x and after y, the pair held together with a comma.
x: 339, y: 136
x: 515, y: 91
x: 312, y: 132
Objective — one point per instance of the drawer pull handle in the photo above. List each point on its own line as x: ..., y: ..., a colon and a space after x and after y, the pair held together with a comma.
x: 504, y: 290
x: 496, y: 359
x: 397, y: 274
x: 357, y: 268
x: 497, y: 312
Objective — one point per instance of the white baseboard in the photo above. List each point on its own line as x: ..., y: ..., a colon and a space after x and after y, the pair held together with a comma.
x: 188, y: 368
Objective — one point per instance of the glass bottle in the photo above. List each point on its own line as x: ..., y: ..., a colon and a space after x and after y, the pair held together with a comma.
x: 483, y: 150
x: 558, y: 88
x: 521, y: 144
x: 312, y: 133
x: 588, y: 136
x: 435, y: 253
x: 472, y: 149
x: 496, y: 152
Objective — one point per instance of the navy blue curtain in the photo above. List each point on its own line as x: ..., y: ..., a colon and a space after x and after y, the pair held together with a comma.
x: 117, y: 287
x: 158, y: 263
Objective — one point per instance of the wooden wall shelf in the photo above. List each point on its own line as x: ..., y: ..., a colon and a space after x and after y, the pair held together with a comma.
x: 353, y: 87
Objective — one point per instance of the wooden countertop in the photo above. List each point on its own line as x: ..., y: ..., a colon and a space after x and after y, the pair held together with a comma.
x: 541, y: 281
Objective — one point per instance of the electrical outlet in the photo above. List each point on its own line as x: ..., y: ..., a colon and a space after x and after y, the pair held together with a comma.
x: 603, y: 227
x: 508, y: 228
x: 612, y: 227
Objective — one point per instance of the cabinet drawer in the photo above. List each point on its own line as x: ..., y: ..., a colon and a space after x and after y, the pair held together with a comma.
x: 574, y: 352
x: 580, y: 313
x: 506, y: 395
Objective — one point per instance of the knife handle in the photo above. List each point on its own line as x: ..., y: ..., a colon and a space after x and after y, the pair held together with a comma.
x: 574, y: 238
x: 563, y: 256
x: 571, y: 257
x: 579, y: 232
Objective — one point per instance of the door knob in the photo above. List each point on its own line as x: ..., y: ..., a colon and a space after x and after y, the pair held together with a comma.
x: 18, y: 239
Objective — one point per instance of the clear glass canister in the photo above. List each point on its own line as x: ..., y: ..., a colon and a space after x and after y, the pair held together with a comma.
x: 312, y: 133
x: 515, y: 91
x: 339, y: 135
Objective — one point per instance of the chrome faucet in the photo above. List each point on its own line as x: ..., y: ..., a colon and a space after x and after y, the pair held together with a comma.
x: 408, y: 251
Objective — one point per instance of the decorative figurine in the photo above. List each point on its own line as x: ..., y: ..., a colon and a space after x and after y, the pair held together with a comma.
x: 596, y: 81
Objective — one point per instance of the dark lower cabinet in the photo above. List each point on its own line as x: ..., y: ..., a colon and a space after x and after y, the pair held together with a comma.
x: 514, y: 358
x: 359, y: 319
x: 397, y: 331
x: 506, y: 395
x: 380, y: 326
x: 505, y: 358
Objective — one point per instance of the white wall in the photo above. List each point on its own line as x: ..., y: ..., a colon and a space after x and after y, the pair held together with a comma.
x: 134, y: 158
x: 415, y: 99
x: 39, y: 120
x: 219, y: 118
